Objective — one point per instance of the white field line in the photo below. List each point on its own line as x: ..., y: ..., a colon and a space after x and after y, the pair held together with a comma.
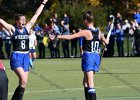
x: 54, y: 90
x: 71, y: 89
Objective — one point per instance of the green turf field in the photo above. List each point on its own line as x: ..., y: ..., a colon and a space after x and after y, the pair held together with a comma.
x: 61, y: 79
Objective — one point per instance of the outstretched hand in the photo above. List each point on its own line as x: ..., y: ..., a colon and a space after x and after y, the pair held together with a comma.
x: 52, y: 36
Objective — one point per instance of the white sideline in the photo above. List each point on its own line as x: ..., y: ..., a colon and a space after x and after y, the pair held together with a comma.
x: 73, y: 89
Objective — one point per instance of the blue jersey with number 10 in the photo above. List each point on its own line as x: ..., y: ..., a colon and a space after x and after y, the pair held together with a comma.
x: 91, y: 57
x: 92, y: 45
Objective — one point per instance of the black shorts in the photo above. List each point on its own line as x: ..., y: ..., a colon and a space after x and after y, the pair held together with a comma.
x: 3, y: 85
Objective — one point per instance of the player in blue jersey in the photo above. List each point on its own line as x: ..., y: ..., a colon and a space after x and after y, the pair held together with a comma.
x: 92, y: 38
x: 19, y: 59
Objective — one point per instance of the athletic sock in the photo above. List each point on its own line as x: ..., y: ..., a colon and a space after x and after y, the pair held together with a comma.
x: 92, y: 94
x: 86, y: 93
x: 31, y: 62
x: 14, y: 97
x: 33, y: 59
x: 18, y: 94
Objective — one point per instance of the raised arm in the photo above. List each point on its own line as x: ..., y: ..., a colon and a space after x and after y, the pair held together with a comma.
x: 34, y: 18
x: 7, y: 26
x: 69, y: 37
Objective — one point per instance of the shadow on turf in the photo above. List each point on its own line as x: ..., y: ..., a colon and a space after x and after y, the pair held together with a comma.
x: 47, y: 80
x: 121, y: 80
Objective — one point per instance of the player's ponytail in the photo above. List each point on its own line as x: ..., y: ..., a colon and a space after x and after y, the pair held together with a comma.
x: 88, y: 16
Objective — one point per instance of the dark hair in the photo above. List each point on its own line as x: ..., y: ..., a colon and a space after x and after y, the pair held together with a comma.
x: 17, y: 17
x: 53, y: 15
x: 48, y: 21
x: 88, y: 16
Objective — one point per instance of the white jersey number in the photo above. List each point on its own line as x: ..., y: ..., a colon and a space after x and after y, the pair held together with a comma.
x: 23, y: 44
x: 95, y: 46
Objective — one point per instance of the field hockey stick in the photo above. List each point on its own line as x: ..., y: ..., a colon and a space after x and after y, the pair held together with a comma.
x: 111, y: 27
x: 109, y: 33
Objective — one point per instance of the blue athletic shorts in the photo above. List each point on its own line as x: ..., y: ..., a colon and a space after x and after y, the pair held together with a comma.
x: 19, y: 60
x: 32, y: 51
x: 90, y: 61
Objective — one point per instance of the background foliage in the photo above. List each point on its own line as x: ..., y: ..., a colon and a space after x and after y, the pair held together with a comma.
x: 74, y: 8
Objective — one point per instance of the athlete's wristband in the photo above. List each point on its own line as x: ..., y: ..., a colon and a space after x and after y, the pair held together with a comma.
x: 43, y: 3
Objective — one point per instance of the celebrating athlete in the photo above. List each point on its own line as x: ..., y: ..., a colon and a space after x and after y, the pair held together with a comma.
x: 19, y: 60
